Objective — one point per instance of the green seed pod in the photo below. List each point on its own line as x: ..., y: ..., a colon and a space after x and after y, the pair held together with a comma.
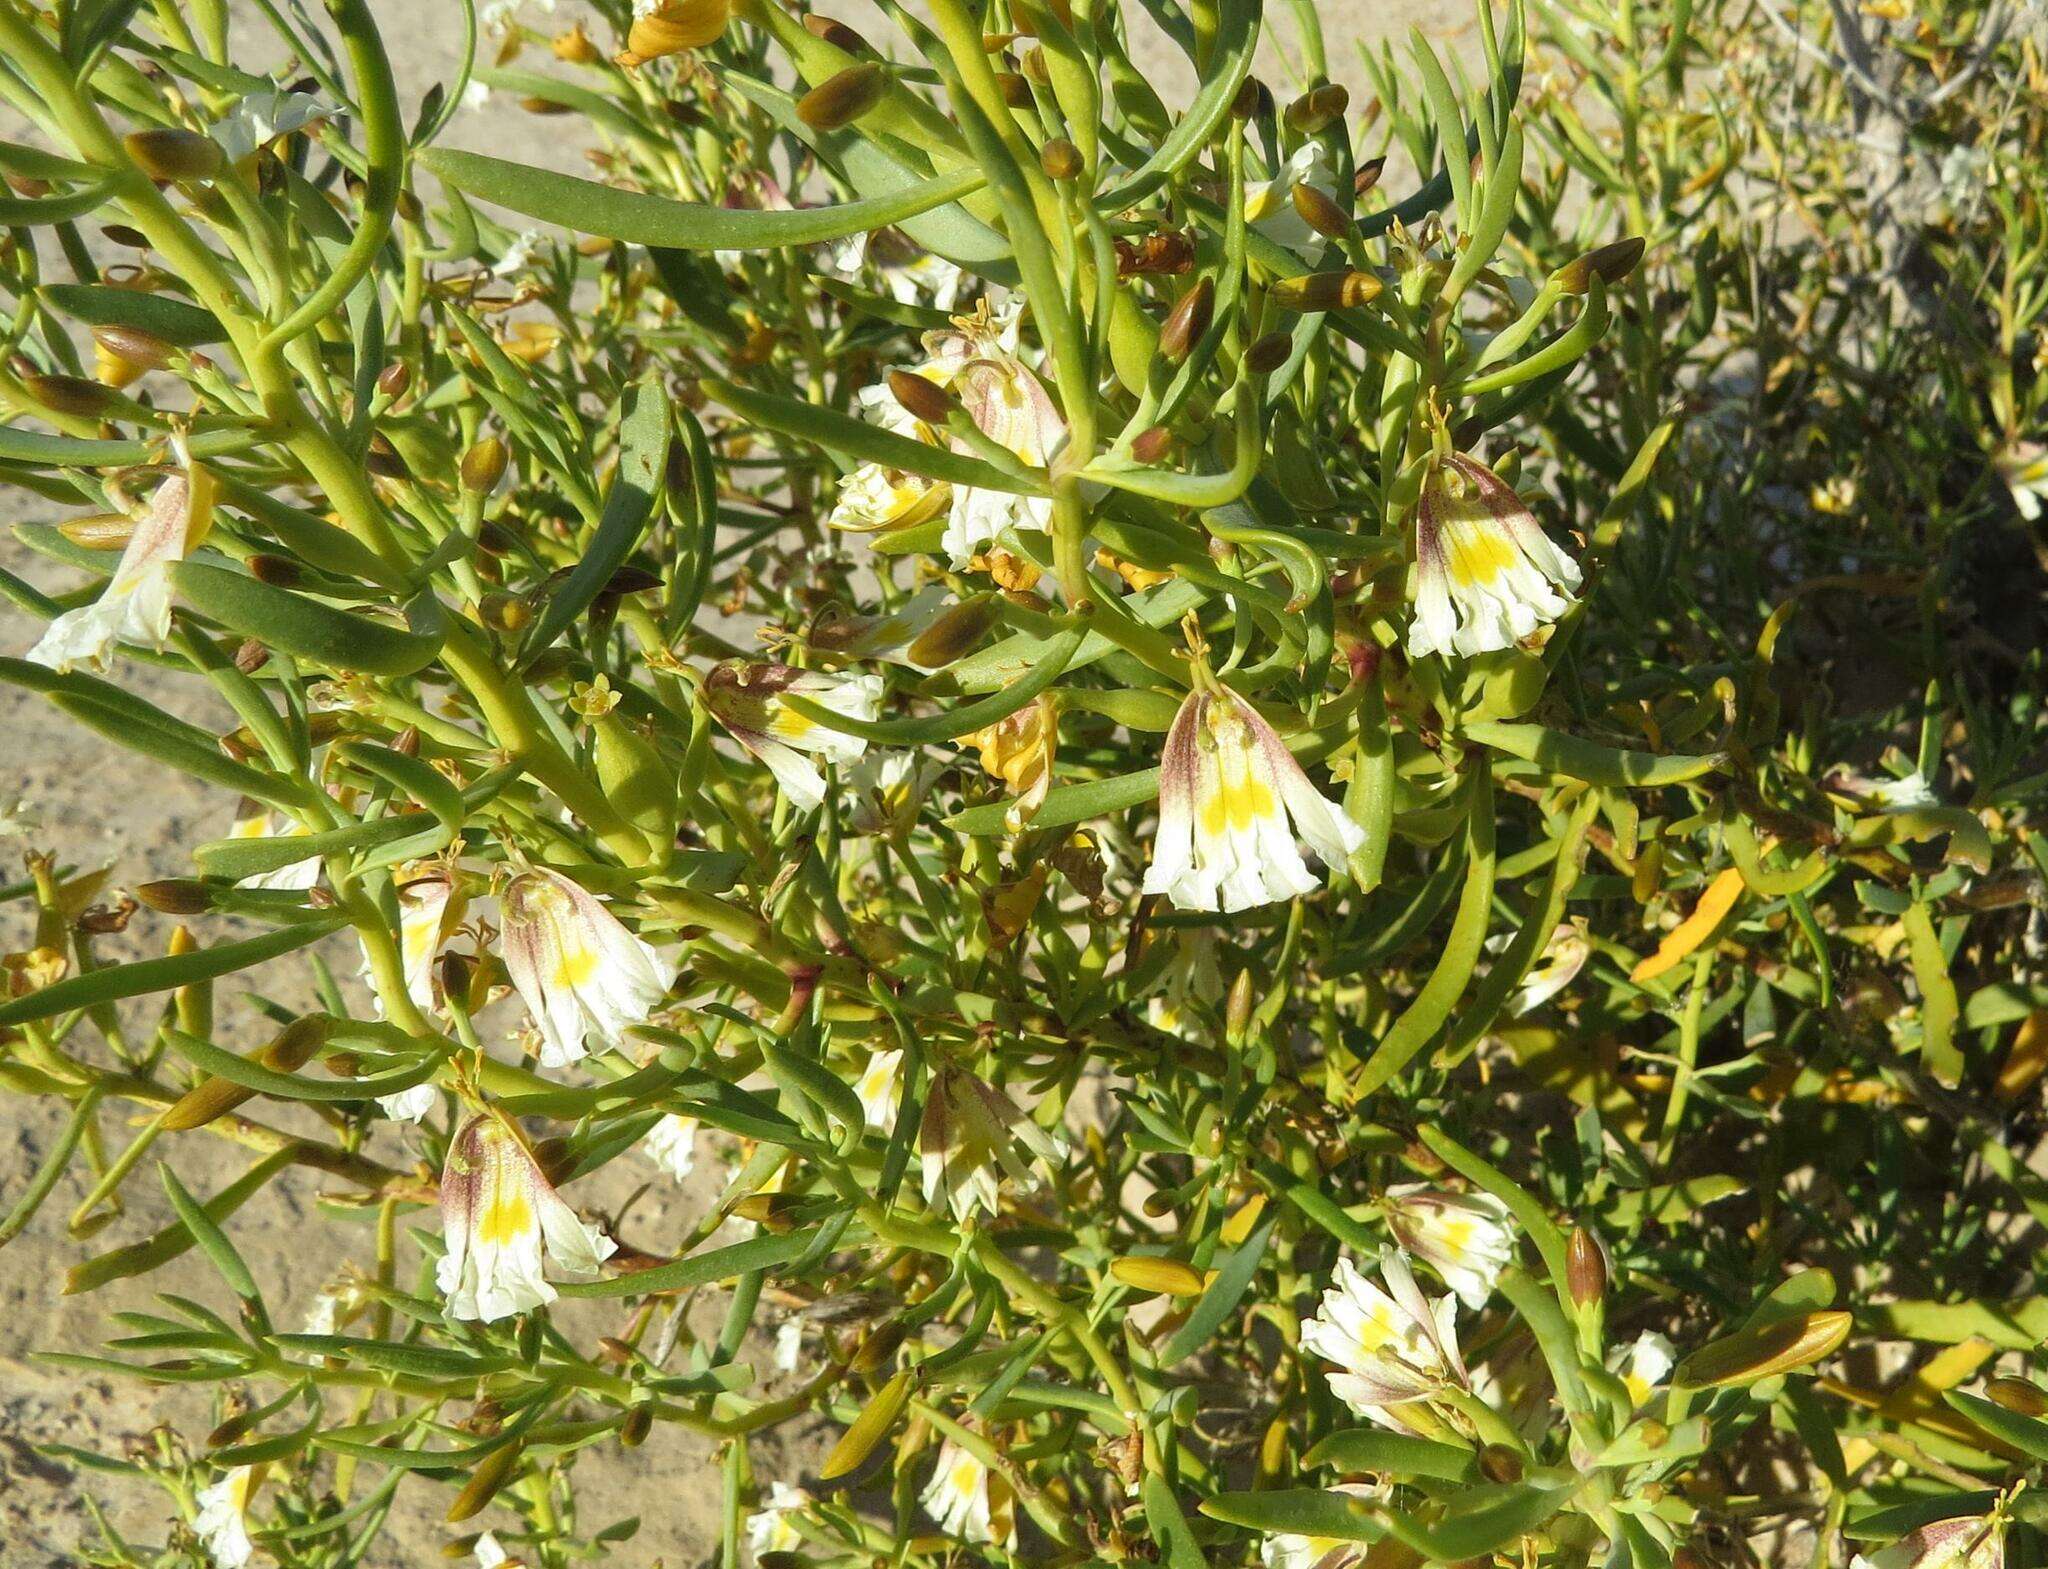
x: 1187, y: 321
x: 1326, y: 291
x: 636, y: 781
x: 169, y: 153
x: 840, y: 100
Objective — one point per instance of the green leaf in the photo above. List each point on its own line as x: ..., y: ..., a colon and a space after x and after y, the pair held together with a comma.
x: 306, y: 629
x: 2023, y: 1433
x: 163, y: 315
x: 27, y: 212
x: 637, y: 486
x: 1229, y: 60
x: 290, y: 1086
x: 389, y: 1357
x: 700, y: 1269
x: 1397, y: 1454
x: 1482, y: 1520
x: 161, y: 975
x: 1169, y: 1525
x: 1300, y: 1511
x: 590, y: 208
x: 1220, y: 1297
x: 212, y: 1240
x: 857, y: 438
x: 1574, y: 758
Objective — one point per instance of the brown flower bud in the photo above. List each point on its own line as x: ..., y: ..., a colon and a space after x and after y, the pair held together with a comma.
x: 73, y: 395
x: 491, y: 1474
x: 251, y: 656
x: 1320, y: 212
x: 1060, y: 159
x: 122, y: 234
x: 393, y: 379
x: 1246, y: 103
x: 775, y: 1212
x: 533, y: 103
x: 495, y: 540
x: 638, y: 1424
x: 921, y: 397
x: 1610, y: 264
x: 1585, y: 1267
x: 1326, y: 291
x: 1152, y: 444
x: 1498, y: 1463
x: 1367, y: 175
x: 277, y: 571
x: 137, y: 347
x: 837, y: 34
x: 27, y: 185
x: 1317, y: 108
x: 483, y: 465
x: 877, y: 1348
x: 383, y: 460
x: 1016, y: 88
x: 954, y: 632
x: 167, y: 152
x: 1269, y: 353
x: 288, y: 1051
x: 503, y: 612
x: 2019, y: 1395
x: 176, y: 896
x: 407, y: 742
x: 1187, y: 321
x: 840, y: 100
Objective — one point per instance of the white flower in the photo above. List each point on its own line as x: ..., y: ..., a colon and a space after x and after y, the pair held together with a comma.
x: 1486, y: 575
x: 1010, y: 407
x: 672, y: 1144
x: 135, y: 606
x: 768, y: 1527
x: 503, y: 1223
x: 967, y: 1142
x: 1467, y: 1238
x: 967, y: 1501
x: 789, y: 1345
x: 881, y: 1089
x: 575, y: 967
x: 1972, y: 1542
x: 747, y: 700
x: 888, y: 788
x: 1287, y: 1550
x: 1563, y: 956
x: 2023, y: 465
x: 520, y: 253
x: 1644, y: 1365
x: 475, y: 94
x: 424, y: 909
x: 1393, y: 1344
x: 222, y: 1521
x: 489, y: 1555
x: 1193, y: 976
x: 1269, y: 208
x: 1228, y: 790
x: 258, y: 119
x: 255, y: 821
x: 927, y: 279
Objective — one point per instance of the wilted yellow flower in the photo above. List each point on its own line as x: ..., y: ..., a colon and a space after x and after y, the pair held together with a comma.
x: 1019, y: 751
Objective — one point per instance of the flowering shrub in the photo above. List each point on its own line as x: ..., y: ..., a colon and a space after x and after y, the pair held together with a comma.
x: 1350, y: 876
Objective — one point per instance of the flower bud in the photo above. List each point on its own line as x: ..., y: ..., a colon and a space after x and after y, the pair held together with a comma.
x: 574, y: 46
x: 1168, y: 1277
x: 277, y: 571
x: 1585, y: 1267
x: 99, y: 530
x: 923, y: 398
x: 1249, y: 94
x: 1367, y: 175
x: 1610, y: 264
x: 535, y: 104
x: 383, y: 460
x: 393, y: 379
x: 1016, y: 89
x: 774, y: 1212
x: 1498, y: 1463
x: 638, y: 1424
x: 859, y: 1441
x: 251, y: 656
x: 840, y: 100
x: 1187, y: 321
x: 1317, y: 108
x: 2018, y: 1395
x: 837, y: 34
x: 1060, y: 159
x: 1269, y: 353
x: 491, y: 1474
x: 503, y: 612
x: 176, y: 896
x: 1326, y: 291
x: 483, y: 465
x: 1152, y: 444
x: 1320, y: 213
x: 288, y: 1051
x: 169, y: 153
x: 877, y: 1348
x: 133, y: 346
x: 73, y: 395
x: 955, y: 631
x: 1750, y: 1355
x: 676, y: 25
x: 1237, y: 1009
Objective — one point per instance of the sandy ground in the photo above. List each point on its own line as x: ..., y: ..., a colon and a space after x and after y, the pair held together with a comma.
x: 100, y: 806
